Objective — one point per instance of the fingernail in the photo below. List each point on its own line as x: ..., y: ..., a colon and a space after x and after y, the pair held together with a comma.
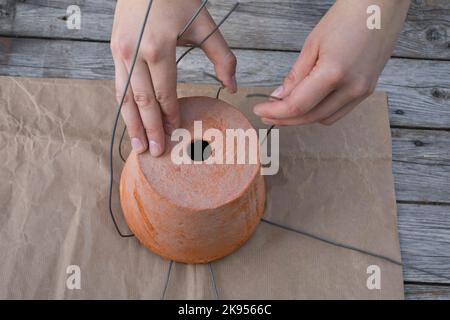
x: 278, y: 92
x: 137, y: 145
x: 233, y: 87
x: 155, y: 149
x: 257, y: 111
x: 233, y: 78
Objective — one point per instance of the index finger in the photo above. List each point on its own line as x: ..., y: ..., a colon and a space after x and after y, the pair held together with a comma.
x: 304, y: 97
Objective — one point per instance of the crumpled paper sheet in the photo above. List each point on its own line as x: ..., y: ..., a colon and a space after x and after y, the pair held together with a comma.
x: 335, y: 182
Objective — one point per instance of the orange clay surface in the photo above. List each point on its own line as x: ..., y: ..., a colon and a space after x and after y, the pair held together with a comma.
x: 193, y: 213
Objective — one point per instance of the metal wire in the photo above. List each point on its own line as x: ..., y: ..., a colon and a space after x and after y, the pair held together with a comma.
x: 218, y: 80
x: 211, y: 33
x: 167, y: 280
x: 345, y: 246
x: 111, y: 148
x: 189, y: 23
x: 332, y: 242
x: 262, y: 95
x: 213, y: 280
x: 192, y: 19
x: 313, y: 236
x: 349, y: 247
x: 120, y: 144
x: 189, y: 50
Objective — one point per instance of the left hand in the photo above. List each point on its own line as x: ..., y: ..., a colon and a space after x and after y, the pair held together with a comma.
x: 339, y: 65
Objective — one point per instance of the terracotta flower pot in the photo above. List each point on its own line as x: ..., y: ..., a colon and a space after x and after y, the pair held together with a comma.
x: 193, y: 213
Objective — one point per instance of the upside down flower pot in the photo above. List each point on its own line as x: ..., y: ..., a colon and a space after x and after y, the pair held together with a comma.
x: 194, y: 212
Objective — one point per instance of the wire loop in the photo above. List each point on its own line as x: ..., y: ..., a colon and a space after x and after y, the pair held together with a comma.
x: 248, y: 96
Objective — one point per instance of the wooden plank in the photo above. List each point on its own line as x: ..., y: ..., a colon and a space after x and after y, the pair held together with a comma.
x: 421, y: 165
x: 426, y: 292
x: 421, y: 183
x: 427, y: 147
x: 419, y: 91
x: 424, y: 232
x: 261, y: 24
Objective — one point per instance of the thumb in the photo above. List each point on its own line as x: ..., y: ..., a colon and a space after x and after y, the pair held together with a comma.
x: 299, y: 71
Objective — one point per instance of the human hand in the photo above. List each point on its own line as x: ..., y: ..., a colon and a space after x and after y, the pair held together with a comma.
x: 339, y: 65
x: 151, y: 107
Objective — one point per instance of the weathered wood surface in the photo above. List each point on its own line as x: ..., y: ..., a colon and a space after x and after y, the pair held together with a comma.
x: 424, y: 147
x: 421, y: 165
x: 419, y: 90
x: 262, y: 24
x: 425, y: 242
x: 426, y: 292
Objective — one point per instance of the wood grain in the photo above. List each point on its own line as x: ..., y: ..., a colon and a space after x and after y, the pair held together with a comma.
x: 426, y: 147
x: 426, y: 292
x: 425, y: 242
x: 256, y: 24
x: 421, y: 183
x: 421, y: 165
x: 419, y: 90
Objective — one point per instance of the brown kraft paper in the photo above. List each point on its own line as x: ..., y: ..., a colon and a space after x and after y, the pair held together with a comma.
x: 334, y: 182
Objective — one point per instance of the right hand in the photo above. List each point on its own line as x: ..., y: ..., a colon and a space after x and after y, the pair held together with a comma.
x: 151, y: 106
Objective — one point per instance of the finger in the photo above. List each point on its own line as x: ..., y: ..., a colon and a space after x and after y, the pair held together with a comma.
x: 149, y: 110
x: 163, y: 71
x: 327, y: 107
x: 341, y: 113
x: 218, y: 52
x: 305, y: 96
x: 129, y: 111
x: 301, y: 68
x: 283, y: 122
x: 325, y: 116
